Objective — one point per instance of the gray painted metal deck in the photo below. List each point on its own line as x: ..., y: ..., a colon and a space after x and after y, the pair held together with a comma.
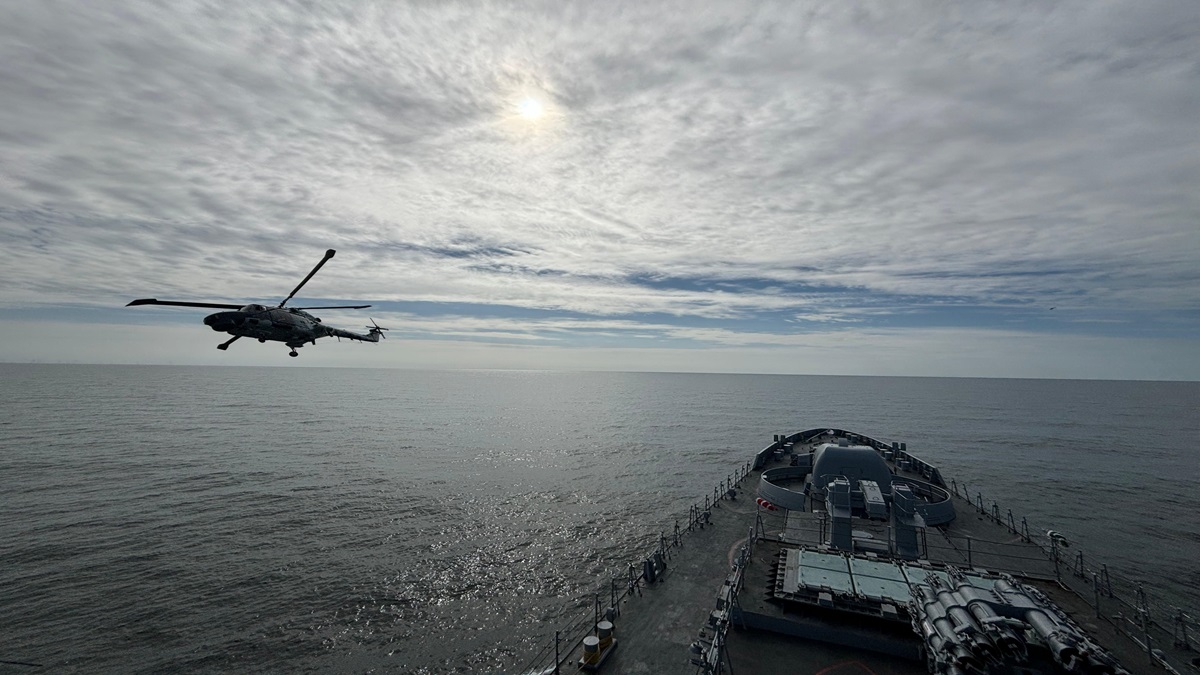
x: 656, y: 627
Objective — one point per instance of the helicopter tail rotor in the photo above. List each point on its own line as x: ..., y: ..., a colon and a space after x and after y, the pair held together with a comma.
x: 375, y: 330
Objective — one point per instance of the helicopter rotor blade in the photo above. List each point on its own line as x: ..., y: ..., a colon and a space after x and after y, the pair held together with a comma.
x: 152, y: 301
x: 328, y: 255
x: 336, y: 307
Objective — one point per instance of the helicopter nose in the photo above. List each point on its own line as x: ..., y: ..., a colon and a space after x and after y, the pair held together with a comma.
x: 223, y: 321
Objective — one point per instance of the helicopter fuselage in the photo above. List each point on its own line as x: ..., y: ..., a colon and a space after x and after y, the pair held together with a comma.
x: 293, y: 327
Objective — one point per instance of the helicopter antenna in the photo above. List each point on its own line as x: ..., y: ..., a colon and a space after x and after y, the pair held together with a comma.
x: 328, y: 255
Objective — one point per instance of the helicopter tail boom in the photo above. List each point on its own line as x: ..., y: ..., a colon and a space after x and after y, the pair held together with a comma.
x: 374, y: 333
x: 351, y: 335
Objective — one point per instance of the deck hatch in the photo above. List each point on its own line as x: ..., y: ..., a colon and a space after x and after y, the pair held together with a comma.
x: 879, y: 580
x: 805, y: 571
x: 826, y: 570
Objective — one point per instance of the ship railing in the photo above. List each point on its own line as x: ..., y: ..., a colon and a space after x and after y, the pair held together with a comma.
x: 1141, y: 613
x: 1160, y: 622
x: 1149, y: 624
x: 1129, y: 594
x: 1012, y: 557
x: 896, y: 452
x: 709, y: 653
x: 1011, y: 561
x: 629, y: 580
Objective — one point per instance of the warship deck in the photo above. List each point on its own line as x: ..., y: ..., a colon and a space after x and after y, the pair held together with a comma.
x: 662, y: 627
x: 658, y: 622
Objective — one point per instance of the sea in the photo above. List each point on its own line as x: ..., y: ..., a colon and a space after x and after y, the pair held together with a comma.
x: 161, y: 519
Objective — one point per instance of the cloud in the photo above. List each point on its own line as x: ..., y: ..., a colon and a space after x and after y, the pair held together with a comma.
x: 830, y: 164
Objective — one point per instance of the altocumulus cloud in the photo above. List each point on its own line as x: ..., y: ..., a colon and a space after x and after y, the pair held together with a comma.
x: 835, y: 182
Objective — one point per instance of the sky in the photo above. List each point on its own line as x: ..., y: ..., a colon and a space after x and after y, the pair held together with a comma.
x: 926, y: 188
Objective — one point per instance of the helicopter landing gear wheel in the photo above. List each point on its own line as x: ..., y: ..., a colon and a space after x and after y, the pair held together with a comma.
x: 293, y: 353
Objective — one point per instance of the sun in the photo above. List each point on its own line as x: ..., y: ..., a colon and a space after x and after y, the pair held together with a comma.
x: 531, y: 109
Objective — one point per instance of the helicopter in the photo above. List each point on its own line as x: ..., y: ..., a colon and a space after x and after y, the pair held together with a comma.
x: 292, y: 326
